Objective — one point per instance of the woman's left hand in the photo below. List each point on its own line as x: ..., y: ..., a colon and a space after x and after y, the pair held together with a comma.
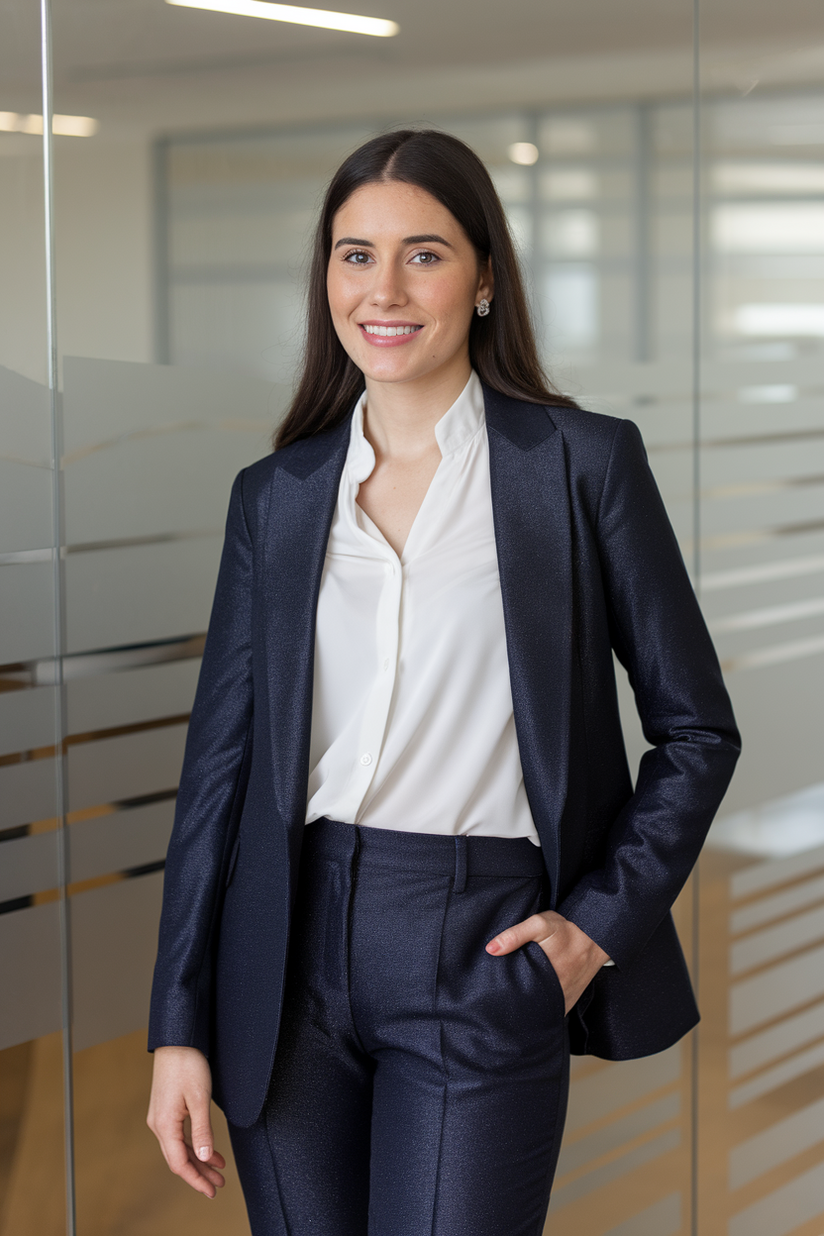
x: 576, y: 959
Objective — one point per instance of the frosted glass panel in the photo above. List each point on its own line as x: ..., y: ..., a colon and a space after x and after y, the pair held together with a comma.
x: 27, y: 793
x: 152, y: 450
x: 130, y: 766
x: 114, y: 934
x: 26, y: 719
x: 30, y: 974
x: 132, y: 696
x: 28, y: 865
x: 121, y: 841
x: 140, y: 594
x: 26, y: 611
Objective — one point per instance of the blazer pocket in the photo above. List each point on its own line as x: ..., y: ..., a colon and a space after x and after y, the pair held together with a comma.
x: 232, y: 861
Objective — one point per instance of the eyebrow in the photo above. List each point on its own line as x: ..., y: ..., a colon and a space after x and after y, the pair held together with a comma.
x: 426, y: 238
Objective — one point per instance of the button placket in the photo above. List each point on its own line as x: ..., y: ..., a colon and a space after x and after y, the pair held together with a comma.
x: 378, y: 701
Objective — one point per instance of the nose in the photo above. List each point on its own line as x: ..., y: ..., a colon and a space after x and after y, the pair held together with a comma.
x: 388, y: 288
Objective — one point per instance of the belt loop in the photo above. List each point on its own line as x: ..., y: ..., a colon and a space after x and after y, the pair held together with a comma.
x: 459, y: 882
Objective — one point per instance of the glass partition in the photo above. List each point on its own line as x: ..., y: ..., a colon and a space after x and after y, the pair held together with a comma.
x: 761, y: 1063
x: 32, y: 945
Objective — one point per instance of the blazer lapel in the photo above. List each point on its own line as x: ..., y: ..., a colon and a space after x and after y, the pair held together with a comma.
x: 303, y: 495
x: 530, y: 502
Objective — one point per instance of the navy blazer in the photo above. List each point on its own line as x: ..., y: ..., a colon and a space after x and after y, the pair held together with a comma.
x: 588, y: 563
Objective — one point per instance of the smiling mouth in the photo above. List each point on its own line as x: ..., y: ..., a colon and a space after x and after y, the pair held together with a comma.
x: 389, y: 332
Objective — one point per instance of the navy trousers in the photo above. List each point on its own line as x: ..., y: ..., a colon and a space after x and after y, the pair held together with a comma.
x: 420, y: 1084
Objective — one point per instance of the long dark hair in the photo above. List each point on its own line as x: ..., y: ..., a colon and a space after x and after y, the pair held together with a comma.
x: 501, y: 346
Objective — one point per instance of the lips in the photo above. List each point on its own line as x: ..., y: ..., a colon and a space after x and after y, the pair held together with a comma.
x: 389, y: 334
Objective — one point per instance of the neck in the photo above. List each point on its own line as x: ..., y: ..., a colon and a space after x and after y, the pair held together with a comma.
x: 400, y: 417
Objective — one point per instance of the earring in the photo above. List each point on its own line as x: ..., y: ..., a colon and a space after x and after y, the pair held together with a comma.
x: 483, y: 308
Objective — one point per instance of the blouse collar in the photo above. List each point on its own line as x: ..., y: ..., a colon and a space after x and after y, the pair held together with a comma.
x: 458, y: 425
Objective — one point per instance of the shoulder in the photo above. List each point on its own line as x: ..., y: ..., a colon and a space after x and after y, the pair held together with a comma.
x: 587, y: 431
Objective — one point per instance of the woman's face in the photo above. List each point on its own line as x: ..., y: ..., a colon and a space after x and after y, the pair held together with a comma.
x: 403, y: 282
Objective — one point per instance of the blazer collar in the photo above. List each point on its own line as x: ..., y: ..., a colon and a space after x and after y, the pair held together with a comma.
x: 533, y: 536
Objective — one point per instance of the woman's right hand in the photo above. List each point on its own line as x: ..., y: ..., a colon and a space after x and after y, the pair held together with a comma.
x: 181, y: 1087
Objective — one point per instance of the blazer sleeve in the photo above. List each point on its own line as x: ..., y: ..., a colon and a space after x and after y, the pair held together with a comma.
x: 659, y: 635
x: 210, y: 798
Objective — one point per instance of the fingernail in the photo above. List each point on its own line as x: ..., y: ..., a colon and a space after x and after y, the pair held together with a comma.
x: 204, y: 1153
x: 493, y: 947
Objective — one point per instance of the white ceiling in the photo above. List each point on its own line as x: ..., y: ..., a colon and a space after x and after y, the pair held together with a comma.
x: 143, y: 65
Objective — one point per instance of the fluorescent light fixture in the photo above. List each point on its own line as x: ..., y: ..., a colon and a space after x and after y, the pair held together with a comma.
x: 775, y: 319
x: 298, y: 16
x: 65, y: 126
x: 525, y: 153
x: 785, y: 227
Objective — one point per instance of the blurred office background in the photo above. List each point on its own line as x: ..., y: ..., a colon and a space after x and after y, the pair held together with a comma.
x: 664, y: 178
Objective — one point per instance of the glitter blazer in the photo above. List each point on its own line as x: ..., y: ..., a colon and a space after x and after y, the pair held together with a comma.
x: 588, y: 564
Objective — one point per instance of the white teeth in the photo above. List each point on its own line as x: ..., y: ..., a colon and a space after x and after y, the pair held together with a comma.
x: 391, y: 330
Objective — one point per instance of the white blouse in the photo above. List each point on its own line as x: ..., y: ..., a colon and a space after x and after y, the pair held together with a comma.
x: 412, y: 723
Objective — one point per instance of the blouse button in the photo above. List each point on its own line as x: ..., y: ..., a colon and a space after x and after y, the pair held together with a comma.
x: 366, y: 758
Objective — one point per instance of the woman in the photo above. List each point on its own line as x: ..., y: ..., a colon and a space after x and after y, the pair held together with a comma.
x: 405, y: 757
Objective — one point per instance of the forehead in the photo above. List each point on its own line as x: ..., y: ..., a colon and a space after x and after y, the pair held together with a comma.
x: 394, y: 208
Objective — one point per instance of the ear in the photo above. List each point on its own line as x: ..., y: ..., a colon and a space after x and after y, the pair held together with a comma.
x: 486, y: 282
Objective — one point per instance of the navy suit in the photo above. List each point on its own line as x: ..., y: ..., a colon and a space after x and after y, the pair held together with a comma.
x: 588, y: 563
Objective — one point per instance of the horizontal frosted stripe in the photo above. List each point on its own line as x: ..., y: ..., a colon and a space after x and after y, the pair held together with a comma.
x: 28, y: 865
x: 115, y: 660
x: 785, y: 1209
x: 25, y: 506
x: 780, y: 1142
x: 788, y: 832
x: 776, y: 990
x: 176, y: 481
x: 131, y: 696
x: 772, y: 616
x: 661, y: 1219
x: 29, y: 974
x: 121, y: 841
x: 615, y: 1170
x: 26, y: 720
x: 766, y: 572
x: 25, y: 423
x: 136, y: 595
x: 27, y: 793
x: 106, y: 401
x: 26, y: 613
x: 777, y: 906
x: 791, y: 1033
x: 576, y: 1155
x: 129, y: 766
x: 626, y: 1081
x: 114, y: 941
x: 762, y: 876
x: 797, y: 1066
x: 773, y: 942
x: 775, y: 654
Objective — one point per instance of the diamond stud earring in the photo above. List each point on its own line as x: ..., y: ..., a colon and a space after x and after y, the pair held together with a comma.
x: 483, y: 308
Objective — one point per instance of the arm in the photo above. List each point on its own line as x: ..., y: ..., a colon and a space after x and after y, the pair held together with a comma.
x: 659, y: 635
x: 208, y: 803
x: 206, y: 819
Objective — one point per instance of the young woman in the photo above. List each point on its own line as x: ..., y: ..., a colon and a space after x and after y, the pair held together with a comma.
x: 408, y: 867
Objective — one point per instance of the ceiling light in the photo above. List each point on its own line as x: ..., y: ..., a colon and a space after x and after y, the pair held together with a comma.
x: 298, y: 16
x: 64, y: 126
x: 523, y: 152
